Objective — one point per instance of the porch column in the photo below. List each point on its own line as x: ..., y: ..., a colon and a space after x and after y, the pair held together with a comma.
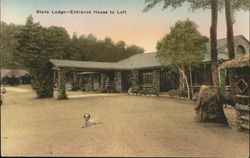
x: 156, y: 82
x: 91, y: 82
x: 61, y: 85
x: 135, y: 81
x: 222, y: 79
x: 75, y: 84
x: 118, y: 81
x: 103, y: 81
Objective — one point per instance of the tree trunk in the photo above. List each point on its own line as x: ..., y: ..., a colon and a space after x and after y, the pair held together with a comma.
x: 182, y: 71
x: 230, y: 42
x: 209, y: 106
x: 213, y: 38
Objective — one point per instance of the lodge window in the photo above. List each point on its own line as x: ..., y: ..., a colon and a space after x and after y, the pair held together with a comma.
x: 147, y: 78
x: 240, y: 50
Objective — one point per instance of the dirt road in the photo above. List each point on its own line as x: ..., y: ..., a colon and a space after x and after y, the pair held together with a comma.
x: 131, y: 126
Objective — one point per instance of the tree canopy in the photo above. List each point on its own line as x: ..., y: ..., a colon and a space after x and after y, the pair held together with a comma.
x: 181, y: 48
x: 184, y: 45
x: 90, y: 49
x: 32, y: 45
x: 8, y: 44
x: 196, y: 4
x: 55, y: 42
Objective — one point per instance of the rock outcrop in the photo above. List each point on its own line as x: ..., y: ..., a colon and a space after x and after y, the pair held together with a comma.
x: 209, y: 107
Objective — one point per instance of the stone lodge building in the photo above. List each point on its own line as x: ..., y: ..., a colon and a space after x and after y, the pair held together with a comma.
x: 142, y: 71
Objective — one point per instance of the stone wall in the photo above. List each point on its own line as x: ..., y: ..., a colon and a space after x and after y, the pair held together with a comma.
x: 242, y: 116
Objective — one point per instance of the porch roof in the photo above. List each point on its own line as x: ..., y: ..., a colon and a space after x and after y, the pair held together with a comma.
x: 13, y: 73
x: 139, y: 61
x: 239, y: 62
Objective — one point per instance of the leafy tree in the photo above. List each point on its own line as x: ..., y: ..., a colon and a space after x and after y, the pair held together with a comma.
x: 183, y: 47
x: 36, y: 45
x: 8, y: 44
x: 132, y: 50
x: 90, y: 49
x: 215, y: 6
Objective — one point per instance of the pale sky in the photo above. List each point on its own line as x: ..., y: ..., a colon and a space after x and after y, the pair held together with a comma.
x: 134, y: 27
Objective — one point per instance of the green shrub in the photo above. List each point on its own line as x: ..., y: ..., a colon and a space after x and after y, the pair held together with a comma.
x: 103, y: 82
x: 42, y: 82
x: 155, y: 83
x: 135, y: 82
x: 61, y: 85
x: 177, y: 93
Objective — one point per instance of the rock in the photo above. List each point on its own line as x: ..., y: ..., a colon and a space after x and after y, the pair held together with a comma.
x: 195, y: 97
x: 130, y: 91
x: 209, y: 107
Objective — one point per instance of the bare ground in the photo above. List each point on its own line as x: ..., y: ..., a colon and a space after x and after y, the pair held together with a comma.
x: 131, y: 126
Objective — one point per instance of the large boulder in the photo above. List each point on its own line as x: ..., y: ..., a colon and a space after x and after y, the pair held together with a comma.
x: 209, y: 106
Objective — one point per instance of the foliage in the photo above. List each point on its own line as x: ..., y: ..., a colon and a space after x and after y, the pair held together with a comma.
x: 36, y: 45
x: 8, y: 44
x: 113, y: 87
x: 147, y: 91
x: 155, y: 82
x: 135, y: 81
x: 90, y: 49
x: 61, y: 85
x: 196, y: 4
x: 178, y: 93
x: 184, y: 45
x: 103, y: 81
x: 10, y: 80
x: 223, y: 81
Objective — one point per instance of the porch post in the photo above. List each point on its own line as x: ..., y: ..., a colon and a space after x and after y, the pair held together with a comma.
x: 222, y: 79
x: 61, y: 85
x: 135, y: 81
x: 75, y: 84
x: 118, y: 81
x: 156, y: 82
x: 103, y: 80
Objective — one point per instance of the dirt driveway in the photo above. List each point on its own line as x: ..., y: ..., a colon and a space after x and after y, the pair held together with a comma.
x: 131, y: 126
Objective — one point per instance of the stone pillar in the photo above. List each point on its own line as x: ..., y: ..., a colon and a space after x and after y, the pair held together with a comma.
x: 54, y: 79
x: 118, y: 81
x: 103, y: 81
x: 75, y: 84
x: 156, y: 82
x: 222, y: 77
x: 91, y: 82
x: 135, y: 81
x: 61, y: 85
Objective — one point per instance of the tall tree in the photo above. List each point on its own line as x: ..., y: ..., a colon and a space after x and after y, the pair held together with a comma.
x: 230, y: 42
x: 214, y: 5
x: 229, y: 6
x: 36, y: 45
x: 8, y: 44
x: 183, y: 47
x: 195, y: 4
x: 213, y: 41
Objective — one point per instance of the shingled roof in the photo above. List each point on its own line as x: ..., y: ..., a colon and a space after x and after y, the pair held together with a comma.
x: 221, y: 43
x: 133, y: 62
x: 13, y: 73
x: 243, y: 61
x: 138, y: 61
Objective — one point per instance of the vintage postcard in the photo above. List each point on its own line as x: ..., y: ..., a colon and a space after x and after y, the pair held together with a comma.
x: 125, y: 78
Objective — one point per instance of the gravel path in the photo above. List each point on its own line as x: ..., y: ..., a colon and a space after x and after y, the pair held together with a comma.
x: 131, y: 126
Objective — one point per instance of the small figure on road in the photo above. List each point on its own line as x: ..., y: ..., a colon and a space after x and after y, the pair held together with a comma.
x: 89, y: 121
